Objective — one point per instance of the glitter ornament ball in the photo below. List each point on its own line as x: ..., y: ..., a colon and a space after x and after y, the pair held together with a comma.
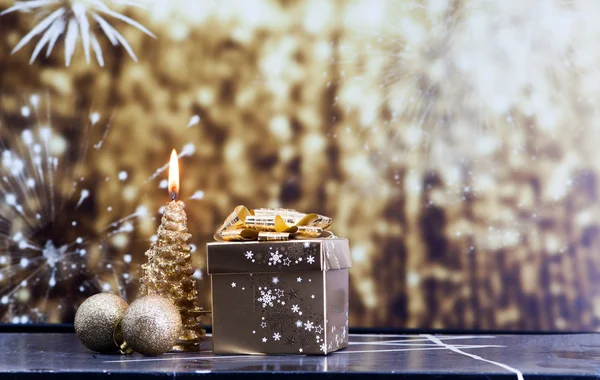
x: 151, y: 325
x: 96, y: 321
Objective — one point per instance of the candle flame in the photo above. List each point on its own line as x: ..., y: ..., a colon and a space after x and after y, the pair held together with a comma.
x: 173, y: 175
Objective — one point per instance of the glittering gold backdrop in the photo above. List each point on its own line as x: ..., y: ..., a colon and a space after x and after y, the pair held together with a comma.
x: 453, y: 142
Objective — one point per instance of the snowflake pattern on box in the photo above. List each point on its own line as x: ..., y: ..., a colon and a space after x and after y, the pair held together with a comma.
x: 287, y: 256
x: 289, y: 316
x: 294, y: 319
x: 280, y: 297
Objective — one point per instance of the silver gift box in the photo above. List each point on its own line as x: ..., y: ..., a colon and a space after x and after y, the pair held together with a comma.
x: 288, y: 297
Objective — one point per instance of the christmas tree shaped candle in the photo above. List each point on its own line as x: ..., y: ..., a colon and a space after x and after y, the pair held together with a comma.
x: 169, y: 269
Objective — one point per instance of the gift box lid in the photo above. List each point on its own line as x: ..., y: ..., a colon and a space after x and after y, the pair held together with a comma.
x: 280, y: 256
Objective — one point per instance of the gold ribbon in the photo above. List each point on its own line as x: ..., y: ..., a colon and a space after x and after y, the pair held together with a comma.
x: 270, y: 224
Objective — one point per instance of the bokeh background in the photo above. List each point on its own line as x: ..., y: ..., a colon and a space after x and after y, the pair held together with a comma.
x: 455, y: 143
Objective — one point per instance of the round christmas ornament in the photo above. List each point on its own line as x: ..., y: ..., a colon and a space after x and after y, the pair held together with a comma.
x: 151, y: 326
x: 97, y: 319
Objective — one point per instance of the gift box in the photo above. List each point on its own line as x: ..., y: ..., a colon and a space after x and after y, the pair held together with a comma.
x: 279, y: 297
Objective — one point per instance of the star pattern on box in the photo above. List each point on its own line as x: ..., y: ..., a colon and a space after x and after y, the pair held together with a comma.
x: 291, y: 317
x: 284, y: 256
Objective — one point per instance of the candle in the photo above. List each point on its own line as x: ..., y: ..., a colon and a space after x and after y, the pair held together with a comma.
x: 173, y: 176
x: 169, y: 269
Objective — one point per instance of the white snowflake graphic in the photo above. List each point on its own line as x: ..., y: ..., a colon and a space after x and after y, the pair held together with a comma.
x: 275, y: 280
x: 276, y: 336
x: 249, y: 255
x: 300, y: 350
x: 324, y: 347
x: 306, y: 244
x: 275, y: 258
x: 74, y: 19
x: 308, y: 325
x: 266, y: 298
x: 298, y: 323
x: 295, y: 308
x: 310, y: 259
x: 263, y: 325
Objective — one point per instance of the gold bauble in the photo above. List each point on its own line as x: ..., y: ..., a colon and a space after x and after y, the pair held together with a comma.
x: 151, y: 325
x: 96, y: 320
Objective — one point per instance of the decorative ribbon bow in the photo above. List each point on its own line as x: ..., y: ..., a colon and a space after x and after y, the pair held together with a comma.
x: 268, y: 224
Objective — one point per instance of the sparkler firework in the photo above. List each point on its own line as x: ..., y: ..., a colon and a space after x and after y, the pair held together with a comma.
x: 72, y: 18
x: 52, y: 247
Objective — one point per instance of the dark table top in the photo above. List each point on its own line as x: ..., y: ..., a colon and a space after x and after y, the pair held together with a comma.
x: 27, y: 355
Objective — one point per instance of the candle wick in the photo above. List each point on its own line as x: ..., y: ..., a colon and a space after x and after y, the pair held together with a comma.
x: 173, y: 195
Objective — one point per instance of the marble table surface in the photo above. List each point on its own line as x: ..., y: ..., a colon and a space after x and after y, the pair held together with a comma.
x: 60, y: 355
